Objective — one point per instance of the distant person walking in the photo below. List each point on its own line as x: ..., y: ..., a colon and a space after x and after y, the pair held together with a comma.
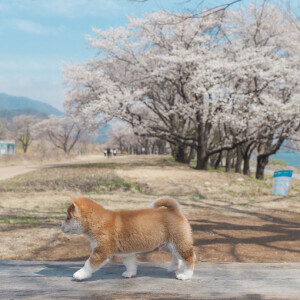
x: 108, y: 152
x: 115, y: 152
x: 105, y: 153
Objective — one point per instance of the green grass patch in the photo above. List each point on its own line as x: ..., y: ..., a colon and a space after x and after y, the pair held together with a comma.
x: 219, y: 170
x: 268, y: 185
x: 171, y: 159
x: 231, y: 192
x: 105, y: 165
x: 200, y: 196
x: 244, y: 193
x: 85, y: 180
x: 138, y: 188
x: 244, y: 204
x: 18, y: 219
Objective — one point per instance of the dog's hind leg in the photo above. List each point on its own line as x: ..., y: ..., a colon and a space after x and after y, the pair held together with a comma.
x: 189, y: 257
x: 131, y: 265
x: 176, y: 259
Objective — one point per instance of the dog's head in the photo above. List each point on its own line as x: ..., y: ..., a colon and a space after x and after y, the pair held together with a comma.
x: 73, y: 224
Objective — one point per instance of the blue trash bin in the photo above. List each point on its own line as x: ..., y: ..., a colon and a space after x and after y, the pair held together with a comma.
x: 281, y: 182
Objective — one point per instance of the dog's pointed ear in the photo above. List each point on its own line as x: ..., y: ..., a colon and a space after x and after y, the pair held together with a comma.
x: 75, y: 202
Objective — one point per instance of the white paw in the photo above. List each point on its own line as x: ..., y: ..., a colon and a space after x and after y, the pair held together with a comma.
x: 184, y: 276
x: 81, y: 274
x: 126, y: 274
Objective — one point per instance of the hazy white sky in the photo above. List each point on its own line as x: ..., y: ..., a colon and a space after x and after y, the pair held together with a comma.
x: 37, y: 35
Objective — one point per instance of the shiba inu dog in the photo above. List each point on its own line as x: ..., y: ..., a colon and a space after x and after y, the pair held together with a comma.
x: 125, y: 233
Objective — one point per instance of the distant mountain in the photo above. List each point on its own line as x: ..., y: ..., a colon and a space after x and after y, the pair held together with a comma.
x: 12, y: 106
x: 9, y: 114
x: 26, y: 105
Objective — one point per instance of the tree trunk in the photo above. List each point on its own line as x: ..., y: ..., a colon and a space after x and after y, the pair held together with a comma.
x: 232, y: 162
x: 146, y: 146
x: 217, y: 164
x: 191, y: 154
x: 246, y: 158
x: 25, y: 148
x: 246, y: 168
x: 262, y: 161
x: 265, y: 149
x: 65, y: 148
x: 153, y: 149
x: 228, y: 160
x: 239, y: 159
x: 180, y: 154
x: 202, y: 159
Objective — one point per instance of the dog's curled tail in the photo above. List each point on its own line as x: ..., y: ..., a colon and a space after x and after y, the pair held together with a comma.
x: 166, y: 202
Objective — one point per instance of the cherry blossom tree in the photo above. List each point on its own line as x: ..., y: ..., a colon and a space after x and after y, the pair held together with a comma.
x: 213, y: 83
x: 164, y: 74
x: 121, y: 136
x: 124, y: 137
x: 262, y: 35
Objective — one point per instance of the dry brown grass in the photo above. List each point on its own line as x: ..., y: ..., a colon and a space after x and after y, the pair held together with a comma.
x: 234, y: 218
x: 44, y: 152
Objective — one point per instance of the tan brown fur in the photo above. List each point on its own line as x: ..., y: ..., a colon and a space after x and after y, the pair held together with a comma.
x: 123, y: 232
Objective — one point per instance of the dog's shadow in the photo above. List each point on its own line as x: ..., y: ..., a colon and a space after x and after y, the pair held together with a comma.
x: 110, y: 271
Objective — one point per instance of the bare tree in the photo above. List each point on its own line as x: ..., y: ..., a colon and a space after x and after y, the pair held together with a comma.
x: 3, y: 129
x: 63, y: 132
x: 21, y: 129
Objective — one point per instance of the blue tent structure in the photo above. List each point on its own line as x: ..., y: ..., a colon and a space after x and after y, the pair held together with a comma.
x: 7, y: 147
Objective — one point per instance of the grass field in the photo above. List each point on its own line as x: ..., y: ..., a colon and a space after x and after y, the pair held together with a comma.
x: 234, y: 217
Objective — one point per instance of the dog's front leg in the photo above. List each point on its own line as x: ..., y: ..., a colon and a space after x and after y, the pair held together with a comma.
x: 95, y: 262
x: 129, y: 262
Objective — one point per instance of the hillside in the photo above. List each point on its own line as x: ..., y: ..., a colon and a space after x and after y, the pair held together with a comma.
x: 8, y: 102
x: 12, y: 106
x: 9, y: 114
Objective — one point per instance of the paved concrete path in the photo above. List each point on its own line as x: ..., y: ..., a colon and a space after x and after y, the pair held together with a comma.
x: 49, y: 280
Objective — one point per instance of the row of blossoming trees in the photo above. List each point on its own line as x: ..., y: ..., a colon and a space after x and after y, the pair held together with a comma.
x: 128, y: 141
x: 224, y: 82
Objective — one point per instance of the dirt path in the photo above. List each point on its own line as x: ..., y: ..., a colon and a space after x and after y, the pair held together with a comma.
x: 9, y: 172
